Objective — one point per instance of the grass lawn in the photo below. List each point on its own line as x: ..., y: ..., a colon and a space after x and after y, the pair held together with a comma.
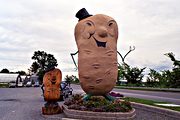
x: 4, y: 85
x: 151, y: 102
x: 149, y: 89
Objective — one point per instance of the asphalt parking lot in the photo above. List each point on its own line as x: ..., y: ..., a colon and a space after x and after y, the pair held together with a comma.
x: 26, y: 103
x: 21, y: 104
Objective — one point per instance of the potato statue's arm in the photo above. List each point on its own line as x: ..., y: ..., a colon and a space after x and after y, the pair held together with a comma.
x: 72, y: 54
x: 130, y: 50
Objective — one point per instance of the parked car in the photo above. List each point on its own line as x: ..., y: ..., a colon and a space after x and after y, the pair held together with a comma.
x: 65, y: 90
x: 12, y: 84
x: 28, y: 84
x: 36, y: 84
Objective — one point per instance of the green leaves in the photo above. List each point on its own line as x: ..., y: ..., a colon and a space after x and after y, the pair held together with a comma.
x: 42, y: 61
x: 133, y: 75
x: 71, y: 79
x: 5, y: 70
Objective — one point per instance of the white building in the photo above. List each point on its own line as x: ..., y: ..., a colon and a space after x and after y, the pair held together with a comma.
x: 8, y: 77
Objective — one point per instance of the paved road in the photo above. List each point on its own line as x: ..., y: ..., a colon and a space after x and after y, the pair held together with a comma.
x: 21, y: 104
x: 26, y: 103
x: 173, y: 97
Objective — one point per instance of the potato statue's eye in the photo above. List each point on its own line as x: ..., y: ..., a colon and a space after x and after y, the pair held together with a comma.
x: 89, y: 24
x: 110, y: 24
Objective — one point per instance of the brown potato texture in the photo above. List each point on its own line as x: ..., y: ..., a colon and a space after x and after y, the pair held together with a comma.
x: 96, y: 39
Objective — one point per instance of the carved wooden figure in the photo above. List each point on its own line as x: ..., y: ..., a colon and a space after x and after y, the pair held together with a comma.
x: 51, y: 81
x: 96, y: 38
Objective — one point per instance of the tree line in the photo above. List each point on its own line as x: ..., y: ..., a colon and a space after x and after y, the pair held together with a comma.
x: 134, y: 75
x: 42, y: 61
x: 5, y: 70
x: 162, y: 79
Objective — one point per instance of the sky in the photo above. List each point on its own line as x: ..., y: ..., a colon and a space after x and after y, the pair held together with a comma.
x: 152, y: 26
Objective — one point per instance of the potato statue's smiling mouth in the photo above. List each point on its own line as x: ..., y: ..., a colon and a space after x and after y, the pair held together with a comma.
x: 99, y: 43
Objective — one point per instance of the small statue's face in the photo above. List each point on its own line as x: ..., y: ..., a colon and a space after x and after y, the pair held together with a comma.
x: 99, y: 29
x: 51, y: 81
x: 52, y: 77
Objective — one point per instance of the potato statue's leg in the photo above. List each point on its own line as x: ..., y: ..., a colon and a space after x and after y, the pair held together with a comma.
x: 109, y: 97
x: 87, y: 97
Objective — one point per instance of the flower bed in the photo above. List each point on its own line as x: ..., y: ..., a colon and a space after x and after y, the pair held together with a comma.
x: 98, y: 104
x: 98, y: 108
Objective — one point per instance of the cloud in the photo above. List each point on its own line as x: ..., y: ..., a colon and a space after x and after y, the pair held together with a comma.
x: 26, y: 26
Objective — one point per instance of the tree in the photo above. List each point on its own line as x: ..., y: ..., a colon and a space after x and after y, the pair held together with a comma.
x: 175, y: 74
x: 34, y: 67
x: 153, y: 78
x: 21, y: 72
x: 71, y: 79
x: 166, y: 78
x: 176, y: 63
x: 133, y: 75
x: 42, y: 62
x: 4, y: 70
x: 120, y: 74
x: 175, y: 81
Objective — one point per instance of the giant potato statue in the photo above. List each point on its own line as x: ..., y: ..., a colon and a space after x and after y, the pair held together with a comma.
x: 96, y: 38
x: 51, y: 82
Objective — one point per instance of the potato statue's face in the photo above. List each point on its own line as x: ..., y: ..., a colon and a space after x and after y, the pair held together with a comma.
x: 96, y: 39
x: 99, y: 30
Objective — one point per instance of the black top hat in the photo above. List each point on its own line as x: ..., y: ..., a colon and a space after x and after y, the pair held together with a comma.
x: 82, y: 14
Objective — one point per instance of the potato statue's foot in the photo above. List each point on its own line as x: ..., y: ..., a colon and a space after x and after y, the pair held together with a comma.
x: 86, y: 97
x: 108, y: 97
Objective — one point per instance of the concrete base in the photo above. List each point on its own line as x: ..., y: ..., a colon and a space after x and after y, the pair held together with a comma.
x: 143, y: 112
x: 51, y: 109
x: 88, y: 115
x: 147, y: 112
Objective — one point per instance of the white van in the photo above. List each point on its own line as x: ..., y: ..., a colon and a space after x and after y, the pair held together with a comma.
x: 20, y: 84
x: 12, y: 84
